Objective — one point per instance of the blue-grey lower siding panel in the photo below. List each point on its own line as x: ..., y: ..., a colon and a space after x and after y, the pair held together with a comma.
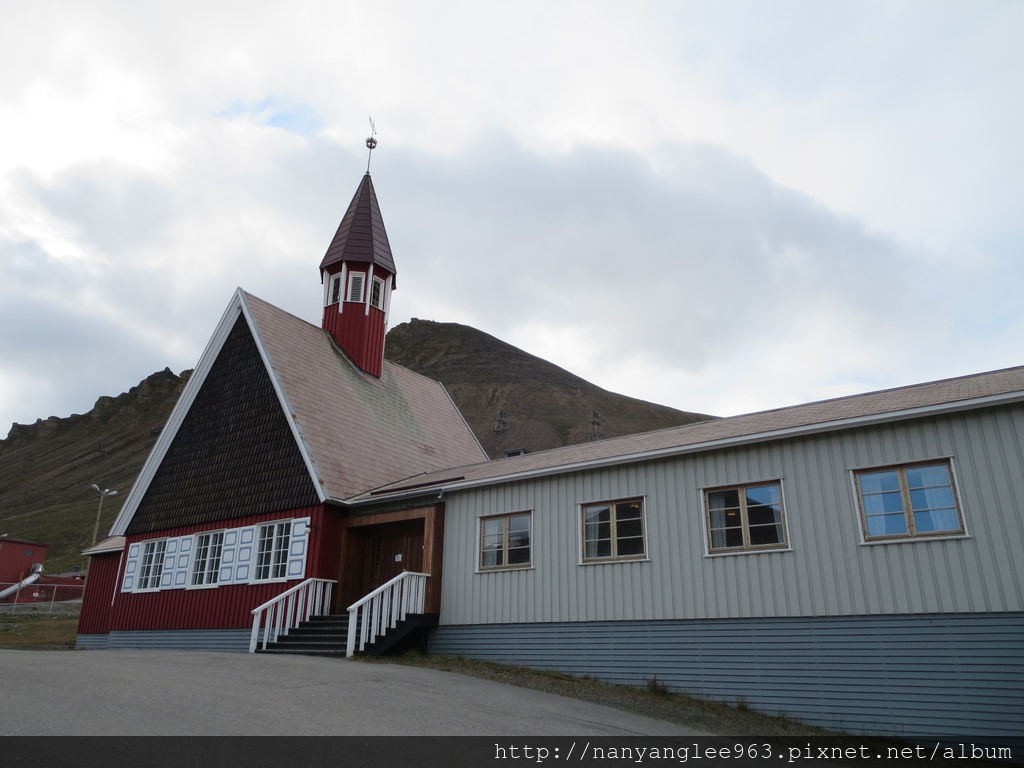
x: 92, y: 642
x: 928, y: 674
x: 236, y: 640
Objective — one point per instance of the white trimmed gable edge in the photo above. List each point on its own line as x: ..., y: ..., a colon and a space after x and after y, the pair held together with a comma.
x: 237, y: 306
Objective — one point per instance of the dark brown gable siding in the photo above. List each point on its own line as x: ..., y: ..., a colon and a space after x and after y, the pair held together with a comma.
x: 234, y: 454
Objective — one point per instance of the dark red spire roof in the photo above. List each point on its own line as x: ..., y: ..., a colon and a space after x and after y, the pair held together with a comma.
x: 361, y: 235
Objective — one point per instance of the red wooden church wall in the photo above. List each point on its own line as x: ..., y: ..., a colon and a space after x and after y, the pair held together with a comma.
x: 360, y: 334
x: 223, y: 607
x: 99, y: 588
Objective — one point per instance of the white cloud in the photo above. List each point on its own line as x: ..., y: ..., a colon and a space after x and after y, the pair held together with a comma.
x: 718, y: 206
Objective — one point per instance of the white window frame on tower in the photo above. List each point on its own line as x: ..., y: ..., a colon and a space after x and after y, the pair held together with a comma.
x: 333, y: 293
x: 352, y: 283
x: 344, y: 283
x: 379, y: 291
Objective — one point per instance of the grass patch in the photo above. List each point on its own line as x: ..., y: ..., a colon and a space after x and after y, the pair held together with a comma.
x: 654, y: 700
x: 28, y: 632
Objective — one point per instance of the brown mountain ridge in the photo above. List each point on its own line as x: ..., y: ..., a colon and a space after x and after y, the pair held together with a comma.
x: 511, y: 399
x: 515, y: 401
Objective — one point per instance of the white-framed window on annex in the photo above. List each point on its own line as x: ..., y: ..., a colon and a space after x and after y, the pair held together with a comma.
x: 505, y: 541
x: 272, y: 555
x: 614, y: 530
x: 745, y: 518
x: 206, y: 564
x: 152, y: 566
x: 908, y: 501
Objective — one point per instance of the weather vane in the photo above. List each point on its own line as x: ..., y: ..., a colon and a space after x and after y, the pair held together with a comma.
x: 371, y: 142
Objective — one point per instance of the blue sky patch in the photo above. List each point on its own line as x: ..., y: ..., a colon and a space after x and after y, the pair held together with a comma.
x: 278, y: 113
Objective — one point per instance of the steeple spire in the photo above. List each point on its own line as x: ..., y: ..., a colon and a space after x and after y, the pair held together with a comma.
x: 361, y: 235
x: 371, y: 143
x: 358, y: 272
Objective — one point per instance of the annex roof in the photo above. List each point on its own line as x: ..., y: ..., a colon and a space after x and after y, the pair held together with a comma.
x: 361, y: 235
x: 978, y: 390
x: 112, y: 544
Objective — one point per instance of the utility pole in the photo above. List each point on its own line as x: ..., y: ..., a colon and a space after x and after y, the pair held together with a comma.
x: 103, y: 494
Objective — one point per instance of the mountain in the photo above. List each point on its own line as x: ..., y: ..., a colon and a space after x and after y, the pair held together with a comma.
x: 47, y: 468
x: 541, y: 405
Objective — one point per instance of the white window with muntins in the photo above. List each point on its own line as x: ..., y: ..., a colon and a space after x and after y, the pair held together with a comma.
x: 272, y: 554
x: 245, y: 555
x: 206, y: 563
x: 152, y: 566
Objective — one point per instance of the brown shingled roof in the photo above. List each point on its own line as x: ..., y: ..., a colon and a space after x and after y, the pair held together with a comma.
x: 1004, y: 385
x: 359, y: 431
x: 361, y: 235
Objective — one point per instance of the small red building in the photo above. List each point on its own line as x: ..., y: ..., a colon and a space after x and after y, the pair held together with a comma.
x: 17, y: 556
x: 22, y: 579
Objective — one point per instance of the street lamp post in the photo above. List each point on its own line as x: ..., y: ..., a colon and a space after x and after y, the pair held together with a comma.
x: 103, y: 494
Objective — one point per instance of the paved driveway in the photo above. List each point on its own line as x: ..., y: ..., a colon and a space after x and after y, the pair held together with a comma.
x: 200, y: 693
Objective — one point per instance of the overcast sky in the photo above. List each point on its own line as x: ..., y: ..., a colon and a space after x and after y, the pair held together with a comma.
x: 718, y: 206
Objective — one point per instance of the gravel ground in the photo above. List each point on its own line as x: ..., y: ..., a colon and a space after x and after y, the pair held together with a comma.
x: 185, y: 693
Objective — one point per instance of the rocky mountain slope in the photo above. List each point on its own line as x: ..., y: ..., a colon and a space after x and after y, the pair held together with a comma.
x: 514, y: 400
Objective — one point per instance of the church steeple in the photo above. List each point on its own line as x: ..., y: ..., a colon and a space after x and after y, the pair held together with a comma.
x: 358, y: 272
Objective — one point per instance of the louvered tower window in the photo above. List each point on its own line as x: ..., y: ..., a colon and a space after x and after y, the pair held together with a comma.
x: 356, y: 281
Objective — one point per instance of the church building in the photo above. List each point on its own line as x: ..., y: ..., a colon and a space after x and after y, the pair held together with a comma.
x: 853, y: 563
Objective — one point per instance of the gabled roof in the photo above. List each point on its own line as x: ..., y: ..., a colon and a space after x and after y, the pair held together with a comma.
x: 949, y: 395
x: 354, y: 431
x: 361, y: 235
x: 356, y: 427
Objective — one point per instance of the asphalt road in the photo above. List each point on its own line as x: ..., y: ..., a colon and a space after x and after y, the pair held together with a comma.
x: 151, y: 693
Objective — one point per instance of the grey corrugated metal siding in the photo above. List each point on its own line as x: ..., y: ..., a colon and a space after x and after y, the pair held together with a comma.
x: 950, y: 675
x: 236, y: 640
x: 827, y: 573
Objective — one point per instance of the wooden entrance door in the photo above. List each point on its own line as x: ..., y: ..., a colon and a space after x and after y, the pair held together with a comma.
x: 387, y: 551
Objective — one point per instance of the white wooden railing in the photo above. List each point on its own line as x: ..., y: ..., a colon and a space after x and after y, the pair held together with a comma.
x: 383, y: 608
x: 284, y: 612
